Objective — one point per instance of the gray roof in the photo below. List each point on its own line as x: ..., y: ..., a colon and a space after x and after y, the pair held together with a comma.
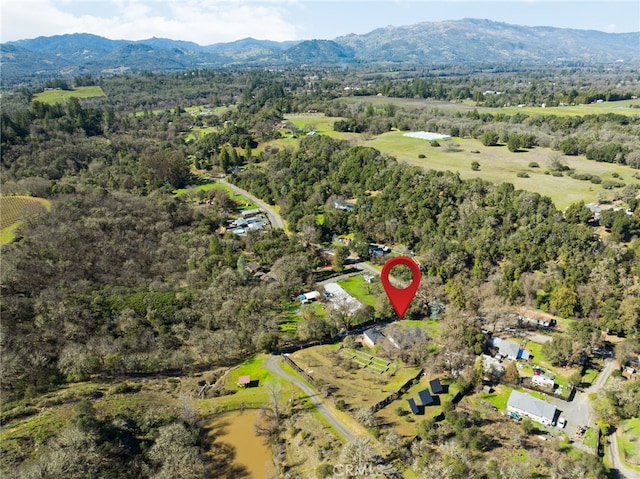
x: 509, y: 348
x: 534, y: 406
x: 373, y: 335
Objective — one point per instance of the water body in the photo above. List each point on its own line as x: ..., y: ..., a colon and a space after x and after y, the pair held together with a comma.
x: 236, y: 448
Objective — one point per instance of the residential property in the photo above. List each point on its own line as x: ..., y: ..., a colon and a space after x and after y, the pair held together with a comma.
x: 340, y: 298
x: 526, y: 405
x: 309, y: 297
x: 540, y: 323
x: 343, y: 205
x: 509, y: 349
x: 544, y: 381
x: 371, y: 337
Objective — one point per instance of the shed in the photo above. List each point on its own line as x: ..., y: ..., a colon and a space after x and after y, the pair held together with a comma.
x: 244, y: 381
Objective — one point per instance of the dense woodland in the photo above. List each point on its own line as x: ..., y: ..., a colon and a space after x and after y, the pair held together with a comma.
x: 123, y: 277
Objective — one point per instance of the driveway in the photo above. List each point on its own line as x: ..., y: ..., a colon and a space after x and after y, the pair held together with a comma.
x: 579, y: 411
x: 273, y: 365
x: 274, y: 218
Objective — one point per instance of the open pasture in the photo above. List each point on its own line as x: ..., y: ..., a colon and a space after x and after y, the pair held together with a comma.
x: 623, y: 107
x: 498, y: 164
x: 60, y: 96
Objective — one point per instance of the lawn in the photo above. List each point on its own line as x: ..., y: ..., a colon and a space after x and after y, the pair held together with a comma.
x: 629, y: 441
x: 367, y: 293
x: 256, y: 395
x: 590, y: 438
x: 405, y: 425
x: 498, y: 397
x: 60, y: 96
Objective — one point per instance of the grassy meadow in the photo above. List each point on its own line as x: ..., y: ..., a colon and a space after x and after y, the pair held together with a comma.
x: 498, y: 164
x: 60, y: 96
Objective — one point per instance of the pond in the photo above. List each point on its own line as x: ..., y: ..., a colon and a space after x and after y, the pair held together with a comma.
x: 237, y: 451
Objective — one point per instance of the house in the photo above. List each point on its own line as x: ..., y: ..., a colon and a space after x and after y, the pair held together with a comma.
x: 371, y: 337
x: 343, y: 205
x: 526, y: 405
x: 250, y: 213
x: 436, y: 387
x: 544, y: 381
x: 244, y: 381
x: 340, y: 298
x: 540, y: 323
x: 413, y: 406
x: 509, y: 349
x: 425, y: 397
x: 308, y: 297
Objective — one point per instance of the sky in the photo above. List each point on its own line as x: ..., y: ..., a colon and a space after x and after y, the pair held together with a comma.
x: 212, y: 21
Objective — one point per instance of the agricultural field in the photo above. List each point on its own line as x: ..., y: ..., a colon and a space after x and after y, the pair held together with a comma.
x: 15, y: 209
x: 60, y: 96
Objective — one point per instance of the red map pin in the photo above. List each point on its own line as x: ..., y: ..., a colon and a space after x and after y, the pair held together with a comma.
x: 400, y: 298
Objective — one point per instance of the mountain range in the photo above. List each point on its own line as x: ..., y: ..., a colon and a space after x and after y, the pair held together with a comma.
x: 462, y: 41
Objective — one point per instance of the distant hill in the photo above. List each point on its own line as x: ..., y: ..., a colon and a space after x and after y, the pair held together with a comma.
x: 460, y: 41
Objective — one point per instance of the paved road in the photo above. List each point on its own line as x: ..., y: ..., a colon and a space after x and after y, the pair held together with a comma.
x: 274, y: 218
x: 273, y: 365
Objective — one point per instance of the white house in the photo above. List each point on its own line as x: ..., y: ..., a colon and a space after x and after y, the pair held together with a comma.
x: 308, y: 297
x: 544, y: 381
x: 341, y: 299
x: 531, y: 407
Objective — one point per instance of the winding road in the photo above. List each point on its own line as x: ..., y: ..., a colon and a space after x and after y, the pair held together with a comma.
x: 274, y: 218
x: 273, y: 365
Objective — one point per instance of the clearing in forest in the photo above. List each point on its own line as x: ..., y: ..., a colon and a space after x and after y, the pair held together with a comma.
x: 60, y: 96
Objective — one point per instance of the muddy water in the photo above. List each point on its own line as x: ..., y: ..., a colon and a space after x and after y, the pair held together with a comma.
x: 238, y: 451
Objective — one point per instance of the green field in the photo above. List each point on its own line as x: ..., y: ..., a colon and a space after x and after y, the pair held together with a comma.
x: 364, y: 292
x: 15, y: 209
x: 498, y: 164
x: 60, y: 96
x: 624, y: 107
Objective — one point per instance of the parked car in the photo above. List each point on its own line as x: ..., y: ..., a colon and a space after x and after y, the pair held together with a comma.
x: 562, y: 422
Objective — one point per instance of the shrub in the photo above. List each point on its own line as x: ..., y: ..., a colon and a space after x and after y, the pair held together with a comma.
x: 524, y: 174
x: 557, y: 173
x: 596, y: 180
x: 422, y: 155
x: 435, y: 143
x: 534, y: 164
x: 475, y: 166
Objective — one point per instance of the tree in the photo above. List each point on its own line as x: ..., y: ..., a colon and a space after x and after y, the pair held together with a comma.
x: 564, y: 300
x: 341, y: 253
x: 511, y: 375
x: 514, y: 143
x: 490, y: 138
